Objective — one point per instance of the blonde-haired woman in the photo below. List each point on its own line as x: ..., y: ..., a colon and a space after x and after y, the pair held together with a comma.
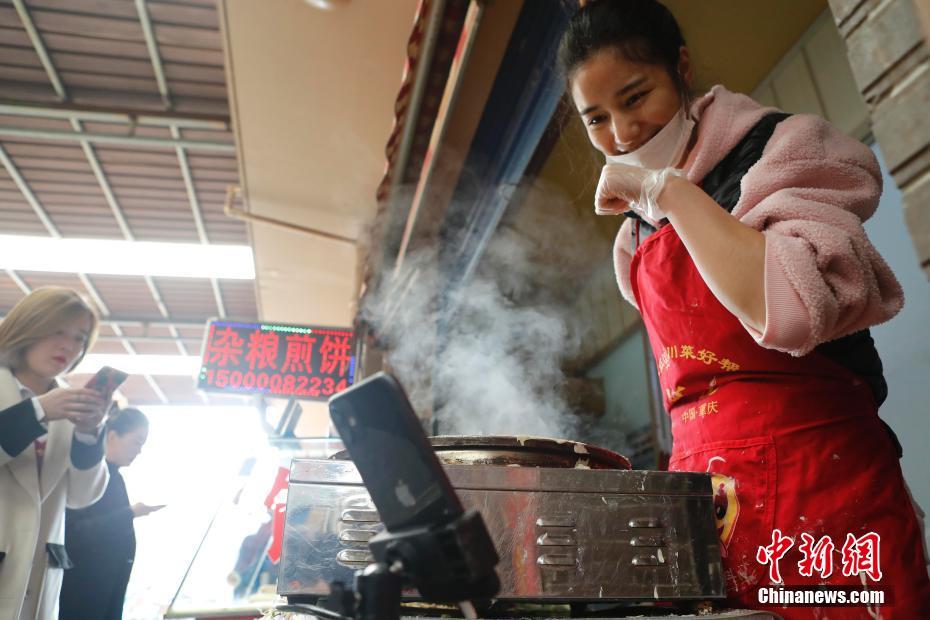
x: 51, y: 452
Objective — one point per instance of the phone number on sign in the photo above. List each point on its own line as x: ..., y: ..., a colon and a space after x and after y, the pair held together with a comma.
x: 290, y: 385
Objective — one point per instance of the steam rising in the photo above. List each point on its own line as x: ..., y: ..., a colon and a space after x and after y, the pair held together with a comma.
x: 498, y: 368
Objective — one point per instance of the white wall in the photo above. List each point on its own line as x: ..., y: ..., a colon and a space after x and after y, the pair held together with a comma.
x: 814, y: 77
x: 904, y: 342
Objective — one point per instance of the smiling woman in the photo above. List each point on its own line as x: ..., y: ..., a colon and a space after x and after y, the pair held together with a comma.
x: 51, y: 452
x: 745, y: 254
x: 624, y: 103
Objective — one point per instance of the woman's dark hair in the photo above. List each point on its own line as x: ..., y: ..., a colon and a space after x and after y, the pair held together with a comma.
x: 127, y: 420
x: 640, y: 30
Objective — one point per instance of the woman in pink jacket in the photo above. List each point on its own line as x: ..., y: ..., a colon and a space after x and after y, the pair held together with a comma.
x: 744, y: 252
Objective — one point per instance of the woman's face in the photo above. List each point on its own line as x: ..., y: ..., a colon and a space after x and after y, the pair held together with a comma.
x: 122, y: 450
x: 622, y: 103
x: 54, y: 354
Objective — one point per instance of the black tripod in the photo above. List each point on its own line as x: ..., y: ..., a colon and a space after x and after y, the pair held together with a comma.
x: 431, y: 542
x: 448, y: 562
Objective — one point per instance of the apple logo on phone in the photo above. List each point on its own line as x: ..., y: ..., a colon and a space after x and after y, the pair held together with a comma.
x: 404, y: 496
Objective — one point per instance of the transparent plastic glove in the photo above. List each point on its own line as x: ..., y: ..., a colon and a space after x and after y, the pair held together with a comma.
x: 625, y: 188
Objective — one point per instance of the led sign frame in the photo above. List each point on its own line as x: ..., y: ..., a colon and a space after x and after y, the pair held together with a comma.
x: 286, y: 361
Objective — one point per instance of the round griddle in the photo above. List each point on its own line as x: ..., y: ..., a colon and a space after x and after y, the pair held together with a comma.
x: 520, y: 451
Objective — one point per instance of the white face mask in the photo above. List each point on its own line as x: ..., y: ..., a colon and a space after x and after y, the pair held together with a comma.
x: 665, y: 148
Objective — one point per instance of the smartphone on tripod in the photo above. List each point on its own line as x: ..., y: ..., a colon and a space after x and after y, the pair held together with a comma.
x: 386, y: 441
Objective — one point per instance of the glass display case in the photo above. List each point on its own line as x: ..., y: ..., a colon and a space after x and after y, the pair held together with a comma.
x: 234, y: 570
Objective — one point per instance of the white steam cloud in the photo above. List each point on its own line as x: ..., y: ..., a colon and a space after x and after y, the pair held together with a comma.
x: 498, y: 369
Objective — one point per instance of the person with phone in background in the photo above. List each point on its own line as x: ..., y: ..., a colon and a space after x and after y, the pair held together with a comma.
x: 101, y: 539
x: 51, y: 446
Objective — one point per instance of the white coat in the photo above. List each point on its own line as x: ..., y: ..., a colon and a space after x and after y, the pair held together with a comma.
x: 32, y: 515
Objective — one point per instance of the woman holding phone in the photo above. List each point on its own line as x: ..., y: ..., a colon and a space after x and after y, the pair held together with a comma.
x: 51, y: 447
x: 745, y: 254
x: 101, y: 539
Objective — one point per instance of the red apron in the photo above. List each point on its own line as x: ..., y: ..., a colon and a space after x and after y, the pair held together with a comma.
x: 794, y: 444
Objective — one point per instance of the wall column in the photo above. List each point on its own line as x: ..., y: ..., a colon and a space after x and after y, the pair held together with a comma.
x: 888, y: 43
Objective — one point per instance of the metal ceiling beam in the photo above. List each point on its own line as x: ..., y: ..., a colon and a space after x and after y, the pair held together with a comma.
x: 197, y: 213
x: 94, y: 98
x: 128, y: 321
x: 102, y: 181
x: 182, y: 156
x: 113, y: 115
x: 218, y: 297
x: 165, y: 339
x: 123, y: 321
x: 26, y: 191
x: 154, y: 56
x: 39, y: 46
x: 157, y: 68
x: 120, y: 217
x: 127, y: 140
x: 18, y: 281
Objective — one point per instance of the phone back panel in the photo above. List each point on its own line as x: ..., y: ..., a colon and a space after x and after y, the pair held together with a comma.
x: 384, y: 437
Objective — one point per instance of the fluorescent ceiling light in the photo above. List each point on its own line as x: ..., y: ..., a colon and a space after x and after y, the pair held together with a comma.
x: 164, y: 365
x: 245, y: 410
x: 126, y: 258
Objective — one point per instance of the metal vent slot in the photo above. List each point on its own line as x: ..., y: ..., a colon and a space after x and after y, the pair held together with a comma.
x: 556, y: 559
x: 368, y: 526
x: 357, y: 501
x: 356, y: 535
x: 555, y: 522
x: 556, y: 540
x: 647, y: 541
x: 645, y: 522
x: 648, y: 560
x: 354, y: 515
x: 354, y: 556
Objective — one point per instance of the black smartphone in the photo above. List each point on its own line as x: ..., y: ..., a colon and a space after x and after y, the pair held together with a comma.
x: 398, y: 465
x: 106, y: 381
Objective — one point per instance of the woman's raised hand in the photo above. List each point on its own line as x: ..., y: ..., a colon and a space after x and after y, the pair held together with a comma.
x: 617, y: 188
x: 83, y: 407
x: 623, y: 188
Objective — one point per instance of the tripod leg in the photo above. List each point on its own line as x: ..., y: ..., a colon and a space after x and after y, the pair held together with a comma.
x: 378, y: 589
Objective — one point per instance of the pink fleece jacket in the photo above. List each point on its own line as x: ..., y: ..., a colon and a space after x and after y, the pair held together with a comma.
x: 808, y: 195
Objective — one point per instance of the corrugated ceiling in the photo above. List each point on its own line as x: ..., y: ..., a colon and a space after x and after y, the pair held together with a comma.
x: 111, y: 130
